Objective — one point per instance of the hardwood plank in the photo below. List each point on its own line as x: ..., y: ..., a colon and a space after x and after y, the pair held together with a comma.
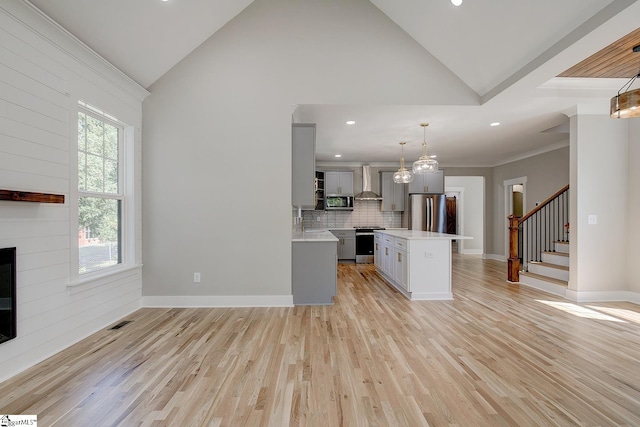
x: 497, y: 355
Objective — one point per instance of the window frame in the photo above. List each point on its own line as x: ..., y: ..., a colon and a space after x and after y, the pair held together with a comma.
x: 122, y: 195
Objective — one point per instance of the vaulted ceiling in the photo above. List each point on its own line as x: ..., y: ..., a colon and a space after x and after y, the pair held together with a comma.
x: 508, y: 52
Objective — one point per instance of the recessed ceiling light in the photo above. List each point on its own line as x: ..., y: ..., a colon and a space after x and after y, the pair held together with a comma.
x: 351, y: 122
x: 456, y: 2
x: 338, y: 155
x: 495, y: 124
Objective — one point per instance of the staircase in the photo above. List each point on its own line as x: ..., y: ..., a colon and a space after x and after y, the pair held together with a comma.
x: 552, y: 273
x: 539, y: 247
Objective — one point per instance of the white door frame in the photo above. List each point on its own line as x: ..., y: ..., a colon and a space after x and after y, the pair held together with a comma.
x: 508, y: 205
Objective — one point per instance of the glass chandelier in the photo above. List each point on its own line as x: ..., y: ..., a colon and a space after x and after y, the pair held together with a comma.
x: 425, y: 164
x: 403, y: 175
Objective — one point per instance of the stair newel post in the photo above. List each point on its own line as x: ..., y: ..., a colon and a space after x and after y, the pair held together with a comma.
x: 513, y: 263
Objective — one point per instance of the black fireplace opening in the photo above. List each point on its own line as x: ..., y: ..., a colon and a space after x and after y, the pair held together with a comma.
x: 7, y: 294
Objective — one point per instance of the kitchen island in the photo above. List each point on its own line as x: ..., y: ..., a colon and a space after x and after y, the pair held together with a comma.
x: 314, y: 267
x: 416, y: 263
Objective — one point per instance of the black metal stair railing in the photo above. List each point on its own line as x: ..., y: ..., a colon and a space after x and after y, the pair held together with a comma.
x: 537, y: 231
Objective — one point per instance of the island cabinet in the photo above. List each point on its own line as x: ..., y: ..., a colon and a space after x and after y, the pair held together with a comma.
x: 393, y: 194
x: 377, y: 251
x: 338, y: 182
x: 401, y: 268
x: 416, y: 263
x: 387, y: 255
x: 314, y: 275
x: 390, y: 258
x: 431, y: 182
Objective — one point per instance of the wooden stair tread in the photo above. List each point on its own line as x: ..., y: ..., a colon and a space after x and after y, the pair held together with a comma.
x: 545, y: 278
x: 546, y: 264
x: 556, y: 253
x: 561, y: 242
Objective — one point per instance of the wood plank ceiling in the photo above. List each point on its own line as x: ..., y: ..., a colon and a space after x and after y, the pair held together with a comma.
x: 614, y: 61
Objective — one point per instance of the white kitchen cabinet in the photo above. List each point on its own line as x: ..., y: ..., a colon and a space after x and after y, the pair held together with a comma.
x: 430, y: 182
x: 303, y: 165
x: 377, y: 250
x: 346, y: 243
x: 417, y: 263
x: 401, y: 269
x: 338, y: 182
x: 393, y: 194
x: 387, y: 255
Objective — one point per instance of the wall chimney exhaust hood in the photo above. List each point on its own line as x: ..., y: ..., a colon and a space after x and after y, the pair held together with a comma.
x: 366, y: 193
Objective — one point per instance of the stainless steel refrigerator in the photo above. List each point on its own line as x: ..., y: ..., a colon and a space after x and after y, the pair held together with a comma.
x: 428, y: 212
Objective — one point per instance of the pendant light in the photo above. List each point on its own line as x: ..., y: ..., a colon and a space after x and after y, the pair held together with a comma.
x: 425, y: 164
x: 627, y: 103
x: 403, y: 175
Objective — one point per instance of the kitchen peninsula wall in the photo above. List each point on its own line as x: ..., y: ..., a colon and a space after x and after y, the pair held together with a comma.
x: 363, y: 213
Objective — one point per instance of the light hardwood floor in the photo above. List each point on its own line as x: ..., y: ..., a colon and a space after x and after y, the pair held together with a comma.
x: 498, y: 355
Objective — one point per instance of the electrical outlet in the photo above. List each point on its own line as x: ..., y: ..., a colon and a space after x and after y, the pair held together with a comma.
x: 592, y: 219
x: 196, y: 277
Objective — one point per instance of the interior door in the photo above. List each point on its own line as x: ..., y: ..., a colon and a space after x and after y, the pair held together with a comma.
x: 452, y: 225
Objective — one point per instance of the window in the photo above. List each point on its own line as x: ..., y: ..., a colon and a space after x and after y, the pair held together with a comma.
x: 100, y: 190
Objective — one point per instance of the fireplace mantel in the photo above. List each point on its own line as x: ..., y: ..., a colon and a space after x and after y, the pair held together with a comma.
x: 28, y: 196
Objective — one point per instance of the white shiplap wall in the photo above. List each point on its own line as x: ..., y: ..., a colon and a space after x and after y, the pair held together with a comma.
x: 43, y: 73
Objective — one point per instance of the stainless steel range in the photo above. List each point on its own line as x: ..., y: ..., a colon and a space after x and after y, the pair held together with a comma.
x: 365, y: 243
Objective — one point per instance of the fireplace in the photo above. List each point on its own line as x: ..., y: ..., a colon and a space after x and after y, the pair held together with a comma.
x: 7, y: 294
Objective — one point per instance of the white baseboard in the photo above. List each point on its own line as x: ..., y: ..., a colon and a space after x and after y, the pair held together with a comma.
x: 444, y: 296
x: 471, y: 252
x: 544, y: 286
x: 495, y: 257
x: 633, y: 297
x: 602, y: 296
x: 213, y: 301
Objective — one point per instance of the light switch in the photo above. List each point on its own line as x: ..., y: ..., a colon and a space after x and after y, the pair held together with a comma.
x: 592, y: 219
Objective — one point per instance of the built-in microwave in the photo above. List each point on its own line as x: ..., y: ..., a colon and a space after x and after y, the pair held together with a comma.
x: 337, y: 202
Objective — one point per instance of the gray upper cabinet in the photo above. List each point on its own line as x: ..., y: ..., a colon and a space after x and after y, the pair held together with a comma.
x: 432, y: 182
x: 336, y: 182
x: 393, y: 194
x: 303, y: 164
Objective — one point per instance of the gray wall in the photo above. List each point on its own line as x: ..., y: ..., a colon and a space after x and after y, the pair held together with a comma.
x: 546, y: 173
x: 598, y: 252
x: 633, y: 207
x: 471, y: 212
x: 487, y: 174
x: 217, y: 135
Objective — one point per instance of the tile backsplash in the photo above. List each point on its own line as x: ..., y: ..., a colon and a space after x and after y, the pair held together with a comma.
x: 363, y: 213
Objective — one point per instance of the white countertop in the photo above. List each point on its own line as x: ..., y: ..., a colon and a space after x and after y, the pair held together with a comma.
x: 313, y: 236
x: 421, y: 235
